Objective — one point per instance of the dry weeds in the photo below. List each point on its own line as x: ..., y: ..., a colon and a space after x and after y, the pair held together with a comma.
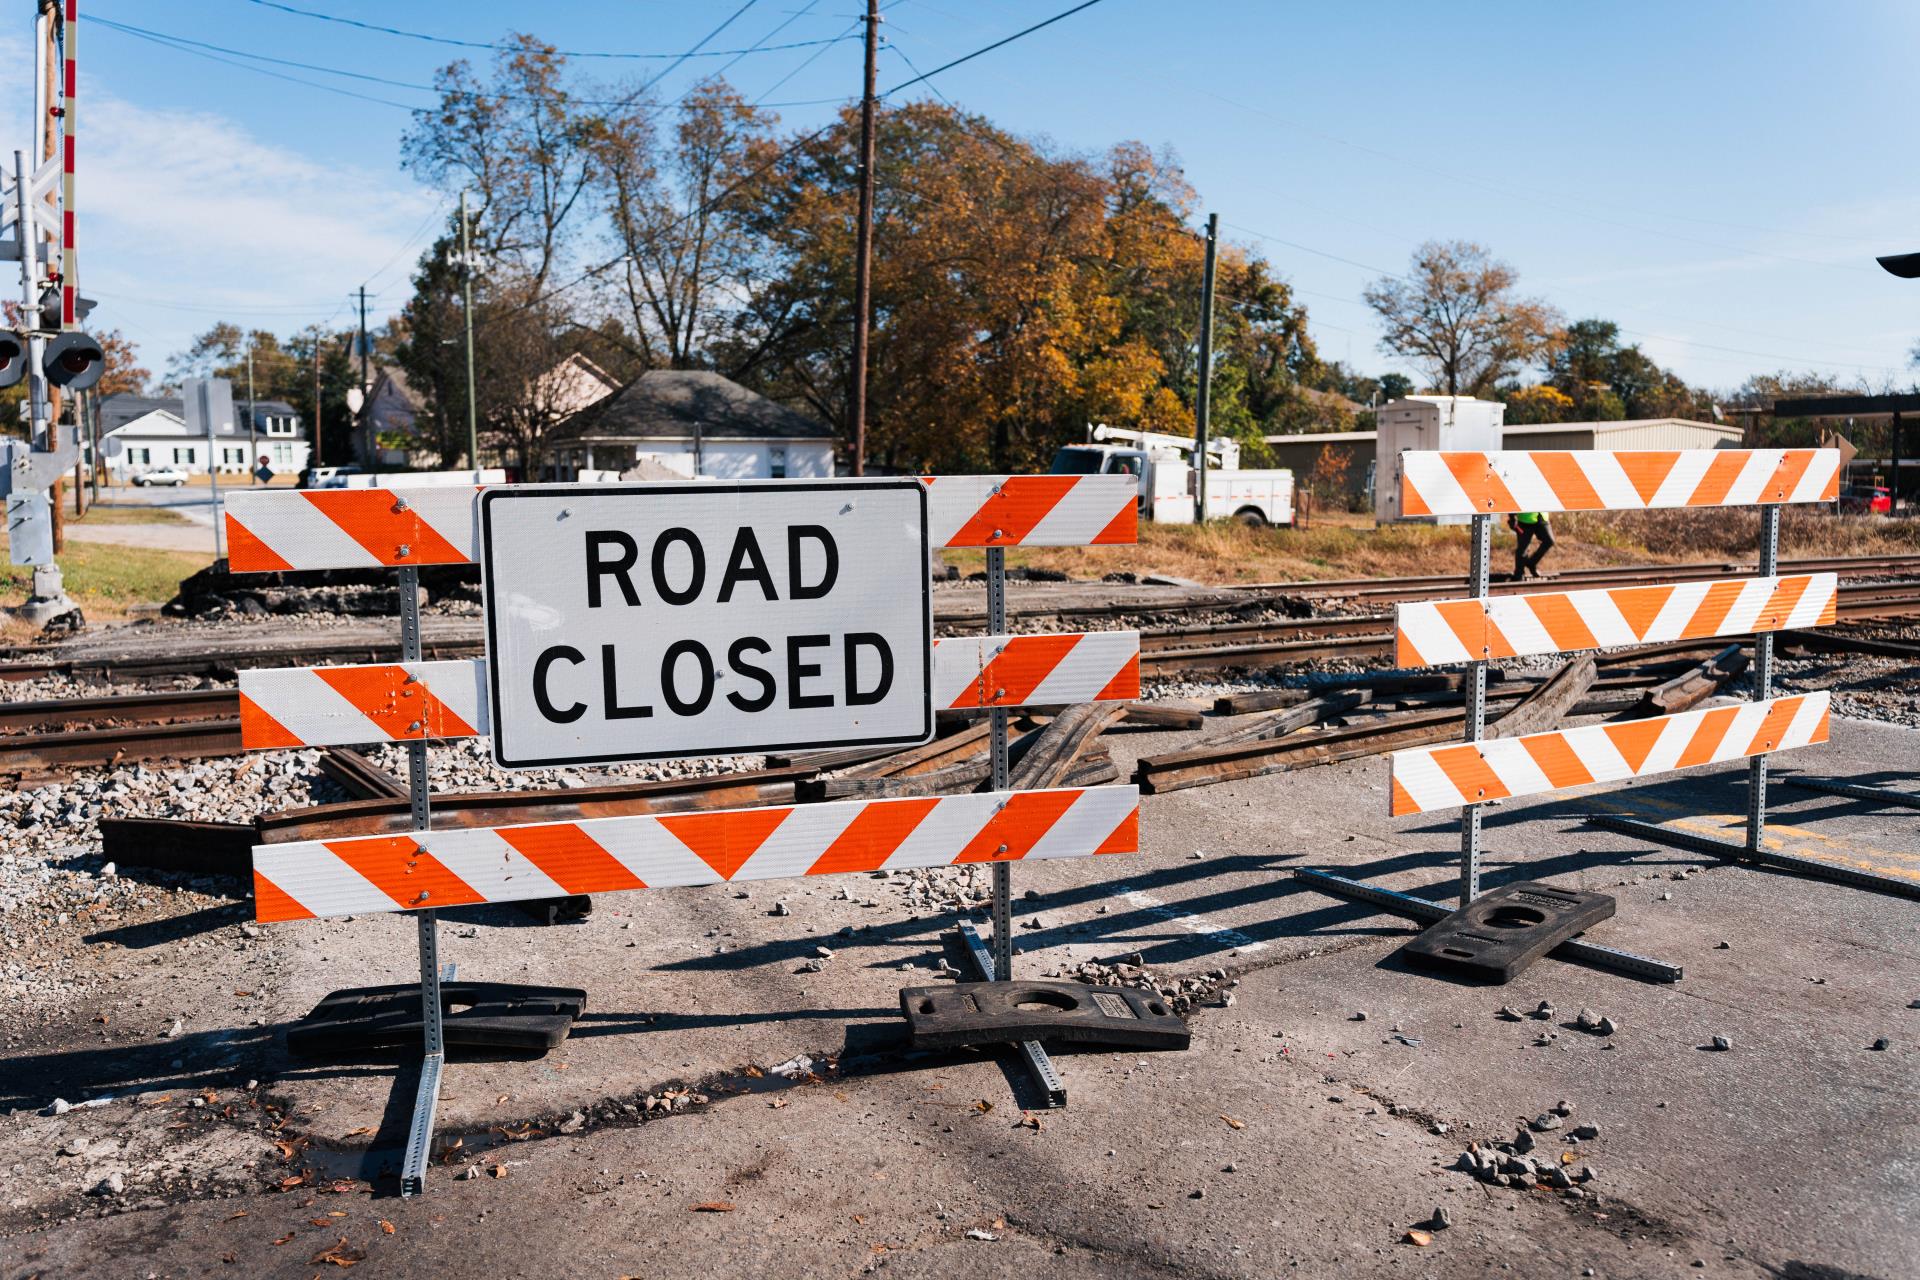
x: 1229, y: 552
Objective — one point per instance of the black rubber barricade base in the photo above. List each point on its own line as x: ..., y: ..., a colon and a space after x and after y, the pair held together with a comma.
x: 970, y: 1013
x: 1501, y: 932
x: 475, y: 1015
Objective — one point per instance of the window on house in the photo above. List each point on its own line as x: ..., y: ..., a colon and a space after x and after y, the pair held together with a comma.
x: 139, y: 457
x: 234, y: 457
x: 183, y: 456
x: 282, y: 454
x: 777, y: 462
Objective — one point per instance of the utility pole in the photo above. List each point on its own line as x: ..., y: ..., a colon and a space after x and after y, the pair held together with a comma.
x: 314, y: 460
x: 466, y: 284
x: 253, y: 419
x: 863, y: 251
x: 1201, y: 406
x: 365, y: 384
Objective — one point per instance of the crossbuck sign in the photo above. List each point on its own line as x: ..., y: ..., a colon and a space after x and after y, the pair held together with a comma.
x: 639, y: 621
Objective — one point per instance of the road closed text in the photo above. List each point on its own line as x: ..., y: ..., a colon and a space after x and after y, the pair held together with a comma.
x: 638, y: 621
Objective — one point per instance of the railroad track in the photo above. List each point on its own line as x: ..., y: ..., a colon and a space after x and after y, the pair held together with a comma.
x: 1252, y: 644
x: 41, y: 736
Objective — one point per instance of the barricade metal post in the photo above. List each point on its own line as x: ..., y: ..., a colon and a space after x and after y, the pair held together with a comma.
x: 413, y: 1170
x: 997, y: 748
x: 1762, y: 682
x: 1032, y: 1051
x: 1476, y: 697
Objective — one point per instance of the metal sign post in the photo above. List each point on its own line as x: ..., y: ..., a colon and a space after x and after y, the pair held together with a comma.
x: 1762, y: 683
x: 433, y: 1061
x: 1031, y: 1051
x: 1475, y: 688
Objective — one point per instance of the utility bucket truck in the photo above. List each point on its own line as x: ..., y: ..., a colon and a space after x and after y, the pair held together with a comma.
x: 1163, y: 465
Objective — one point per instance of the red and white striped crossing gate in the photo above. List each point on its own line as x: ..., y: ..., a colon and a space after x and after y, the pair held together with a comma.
x: 1483, y: 628
x: 415, y: 701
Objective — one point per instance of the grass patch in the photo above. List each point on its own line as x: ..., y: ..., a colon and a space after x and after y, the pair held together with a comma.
x: 105, y: 579
x: 113, y: 513
x: 1228, y: 552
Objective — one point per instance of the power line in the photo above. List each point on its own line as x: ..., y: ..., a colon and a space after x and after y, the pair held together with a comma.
x: 675, y: 65
x: 565, y: 53
x: 969, y: 57
x: 187, y: 45
x: 170, y: 43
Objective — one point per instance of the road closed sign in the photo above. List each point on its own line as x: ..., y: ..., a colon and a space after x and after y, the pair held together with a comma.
x: 638, y: 621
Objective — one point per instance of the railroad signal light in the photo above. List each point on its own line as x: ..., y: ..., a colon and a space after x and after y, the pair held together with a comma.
x: 74, y: 361
x: 13, y: 357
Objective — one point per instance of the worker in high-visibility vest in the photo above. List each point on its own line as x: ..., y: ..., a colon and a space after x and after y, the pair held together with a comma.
x: 1528, y: 528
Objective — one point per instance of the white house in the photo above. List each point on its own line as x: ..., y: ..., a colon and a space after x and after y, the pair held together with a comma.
x: 694, y: 423
x: 152, y: 432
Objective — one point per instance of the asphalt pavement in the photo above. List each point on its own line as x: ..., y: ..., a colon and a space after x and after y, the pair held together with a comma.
x: 722, y: 1108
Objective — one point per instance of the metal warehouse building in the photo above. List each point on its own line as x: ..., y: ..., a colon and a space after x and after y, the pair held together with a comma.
x: 1636, y: 433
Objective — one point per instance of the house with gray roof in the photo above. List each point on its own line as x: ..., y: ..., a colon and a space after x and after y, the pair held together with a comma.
x: 695, y: 423
x: 151, y: 431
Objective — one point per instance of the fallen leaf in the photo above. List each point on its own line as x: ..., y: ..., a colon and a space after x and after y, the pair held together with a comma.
x: 341, y: 1255
x: 982, y: 1106
x: 101, y: 1019
x: 502, y: 1098
x: 1419, y: 1237
x: 318, y: 1222
x: 498, y: 1170
x: 1567, y: 1157
x: 336, y: 1213
x: 237, y: 991
x: 364, y: 1129
x: 283, y: 1239
x: 228, y: 1257
x: 560, y: 1066
x: 293, y: 1180
x: 777, y: 1103
x: 860, y: 1218
x: 1028, y: 1120
x: 237, y: 1213
x: 286, y: 1148
x: 714, y: 1206
x: 1234, y: 1124
x: 386, y: 1226
x: 752, y: 1072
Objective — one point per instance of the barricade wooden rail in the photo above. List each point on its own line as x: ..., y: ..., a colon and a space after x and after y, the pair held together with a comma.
x: 382, y: 702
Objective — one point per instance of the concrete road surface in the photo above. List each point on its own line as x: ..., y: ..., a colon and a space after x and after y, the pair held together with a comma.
x: 1293, y: 1138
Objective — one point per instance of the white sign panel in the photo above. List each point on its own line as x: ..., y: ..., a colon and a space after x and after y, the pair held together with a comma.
x: 637, y: 621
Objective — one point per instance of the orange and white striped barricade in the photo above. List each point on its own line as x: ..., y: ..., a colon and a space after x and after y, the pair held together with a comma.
x: 1482, y: 628
x: 415, y: 701
x: 293, y: 707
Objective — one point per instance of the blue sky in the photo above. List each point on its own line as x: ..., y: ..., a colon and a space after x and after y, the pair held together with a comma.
x: 1716, y: 177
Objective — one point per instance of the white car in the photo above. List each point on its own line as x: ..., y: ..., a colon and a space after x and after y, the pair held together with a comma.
x: 173, y: 476
x: 332, y: 477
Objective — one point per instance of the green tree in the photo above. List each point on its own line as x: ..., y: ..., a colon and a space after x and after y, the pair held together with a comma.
x: 1456, y: 314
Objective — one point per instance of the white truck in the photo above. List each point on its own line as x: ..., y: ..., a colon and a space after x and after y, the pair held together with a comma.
x: 1167, y: 478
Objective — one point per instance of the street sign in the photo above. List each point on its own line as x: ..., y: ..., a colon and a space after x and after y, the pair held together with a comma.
x: 640, y: 621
